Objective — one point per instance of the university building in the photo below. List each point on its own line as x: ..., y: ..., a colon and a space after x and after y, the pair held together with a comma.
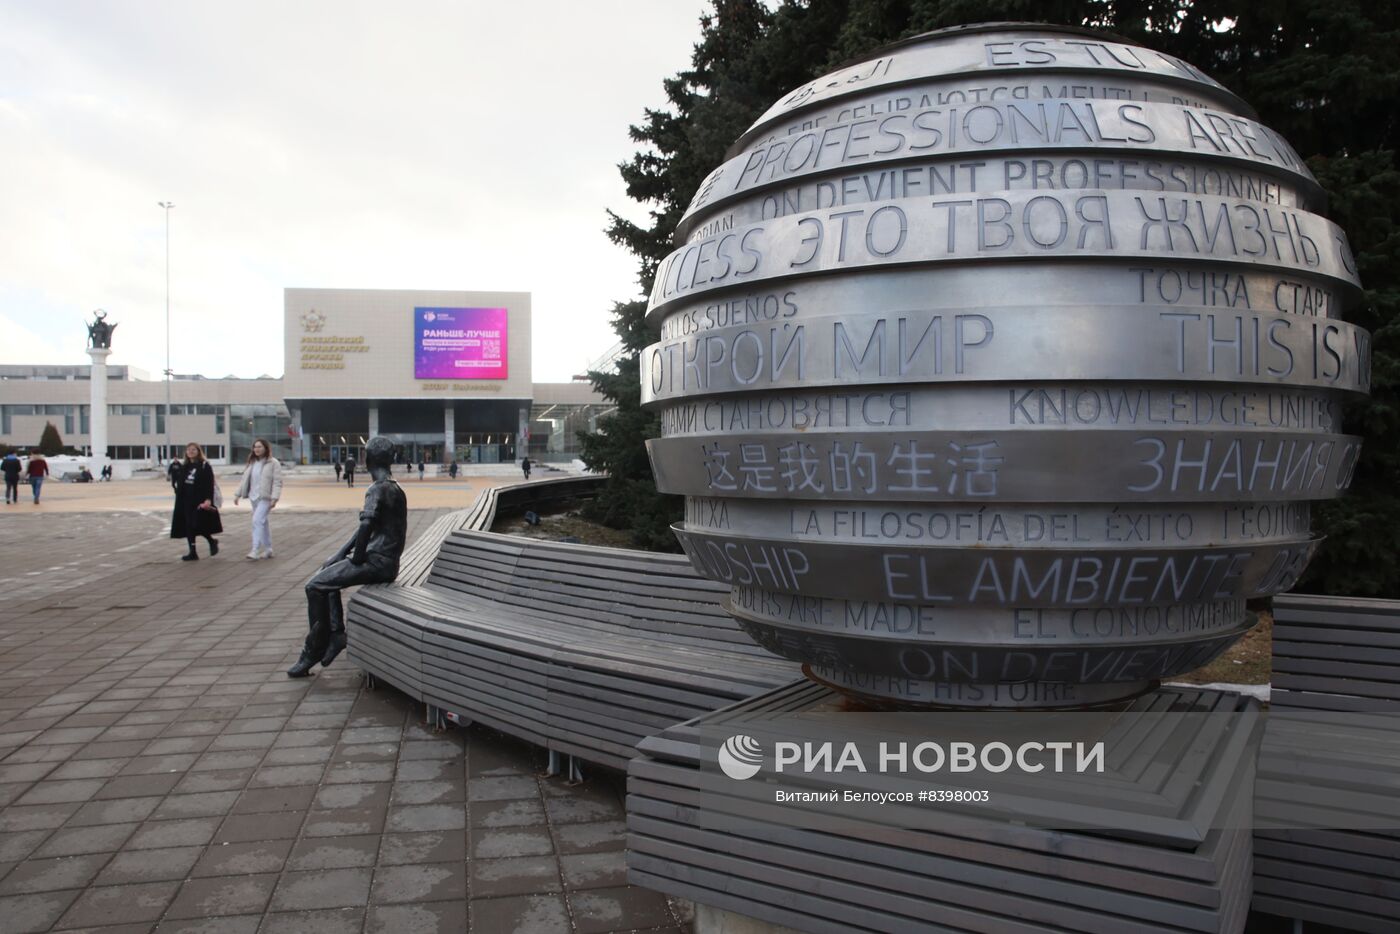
x: 444, y: 374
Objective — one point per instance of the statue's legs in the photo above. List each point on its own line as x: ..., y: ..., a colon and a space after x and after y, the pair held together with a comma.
x: 326, y: 615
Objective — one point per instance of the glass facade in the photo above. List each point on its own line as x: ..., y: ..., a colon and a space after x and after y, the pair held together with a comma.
x: 554, y: 428
x: 247, y: 423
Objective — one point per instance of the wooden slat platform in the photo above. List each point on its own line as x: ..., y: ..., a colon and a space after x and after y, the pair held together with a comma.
x: 1331, y: 759
x: 695, y: 833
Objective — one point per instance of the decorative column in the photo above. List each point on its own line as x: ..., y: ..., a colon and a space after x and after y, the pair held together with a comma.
x: 373, y: 420
x: 97, y: 399
x: 449, y: 433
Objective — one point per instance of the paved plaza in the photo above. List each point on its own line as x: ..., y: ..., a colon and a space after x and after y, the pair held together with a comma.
x: 159, y: 772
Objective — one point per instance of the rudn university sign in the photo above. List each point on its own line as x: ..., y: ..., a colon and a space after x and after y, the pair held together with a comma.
x: 1000, y: 370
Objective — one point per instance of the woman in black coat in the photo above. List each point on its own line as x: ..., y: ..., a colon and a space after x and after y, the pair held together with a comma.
x: 195, y: 514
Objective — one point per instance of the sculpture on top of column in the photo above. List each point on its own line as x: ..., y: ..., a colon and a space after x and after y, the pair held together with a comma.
x: 100, y: 332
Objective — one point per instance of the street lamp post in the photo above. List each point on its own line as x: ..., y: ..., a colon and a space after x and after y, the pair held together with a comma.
x: 167, y: 205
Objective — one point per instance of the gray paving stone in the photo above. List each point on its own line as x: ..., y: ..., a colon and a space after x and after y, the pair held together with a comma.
x: 367, y: 752
x: 419, y: 882
x: 328, y: 888
x: 172, y: 863
x: 225, y: 760
x: 428, y: 792
x: 490, y: 843
x: 36, y: 817
x: 138, y: 786
x: 75, y: 841
x: 297, y: 755
x: 90, y: 768
x: 116, y: 811
x: 47, y: 875
x: 223, y: 895
x: 231, y: 859
x: 288, y: 798
x: 119, y: 904
x: 582, y: 809
x: 242, y: 924
x: 521, y: 812
x: 16, y: 846
x: 194, y: 831
x: 245, y: 828
x: 432, y: 918
x: 503, y: 788
x: 431, y: 847
x: 326, y: 921
x: 444, y: 747
x: 334, y: 852
x: 594, y: 870
x: 30, y: 914
x: 420, y: 817
x: 597, y: 911
x: 27, y: 771
x: 330, y: 797
x: 429, y: 770
x: 221, y: 780
x: 202, y: 804
x: 344, y: 822
x: 274, y: 776
x: 591, y: 838
x: 359, y: 773
x: 520, y: 875
x: 523, y: 914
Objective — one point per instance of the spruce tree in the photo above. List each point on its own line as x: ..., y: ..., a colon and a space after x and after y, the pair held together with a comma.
x: 50, y: 442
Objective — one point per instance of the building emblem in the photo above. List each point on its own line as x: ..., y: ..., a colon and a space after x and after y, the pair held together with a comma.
x: 313, y: 320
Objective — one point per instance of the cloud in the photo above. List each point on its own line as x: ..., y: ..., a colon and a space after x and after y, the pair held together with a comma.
x: 441, y: 145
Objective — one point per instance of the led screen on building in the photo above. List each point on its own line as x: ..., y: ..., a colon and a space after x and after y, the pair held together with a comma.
x: 460, y: 343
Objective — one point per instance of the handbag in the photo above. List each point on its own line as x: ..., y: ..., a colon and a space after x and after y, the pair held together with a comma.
x: 218, y: 498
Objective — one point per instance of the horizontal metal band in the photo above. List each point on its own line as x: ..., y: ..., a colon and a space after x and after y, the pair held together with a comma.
x: 1005, y: 227
x: 998, y: 406
x: 1148, y: 660
x: 1151, y: 286
x: 998, y: 54
x: 978, y: 625
x: 1053, y: 576
x: 1004, y: 345
x: 1029, y: 695
x: 1029, y: 171
x: 1082, y: 525
x: 1043, y: 128
x: 1031, y: 466
x: 971, y: 90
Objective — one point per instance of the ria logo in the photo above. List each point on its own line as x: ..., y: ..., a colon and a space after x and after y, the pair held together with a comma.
x: 430, y: 316
x: 741, y: 757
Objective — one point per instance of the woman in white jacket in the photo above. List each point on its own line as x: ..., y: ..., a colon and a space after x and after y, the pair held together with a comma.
x: 262, y: 486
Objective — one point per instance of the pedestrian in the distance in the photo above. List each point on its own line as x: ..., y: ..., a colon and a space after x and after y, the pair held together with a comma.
x: 337, y: 471
x: 262, y: 486
x: 422, y: 467
x: 349, y: 471
x: 172, y: 473
x: 38, y: 469
x: 11, y: 468
x: 452, y: 470
x: 525, y: 467
x: 196, y: 508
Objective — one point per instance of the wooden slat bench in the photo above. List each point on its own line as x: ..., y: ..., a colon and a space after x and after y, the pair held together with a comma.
x: 582, y: 650
x: 1335, y: 693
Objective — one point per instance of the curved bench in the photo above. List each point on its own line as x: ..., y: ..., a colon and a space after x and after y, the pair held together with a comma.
x: 582, y: 650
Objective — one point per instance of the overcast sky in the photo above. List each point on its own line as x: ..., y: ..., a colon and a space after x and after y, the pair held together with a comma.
x: 344, y: 144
